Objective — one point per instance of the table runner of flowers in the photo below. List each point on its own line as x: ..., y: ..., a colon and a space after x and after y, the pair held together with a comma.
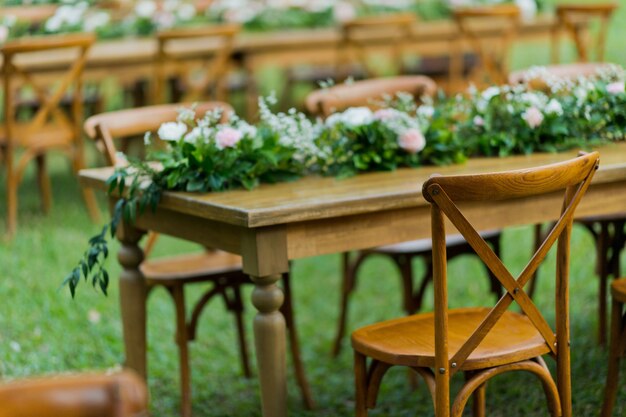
x: 204, y: 155
x: 148, y: 16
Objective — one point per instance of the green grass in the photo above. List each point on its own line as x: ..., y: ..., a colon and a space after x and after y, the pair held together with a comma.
x: 43, y: 331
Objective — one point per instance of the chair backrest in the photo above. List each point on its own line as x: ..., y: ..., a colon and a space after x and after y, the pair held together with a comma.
x: 490, y: 32
x: 362, y: 35
x: 179, y: 50
x: 365, y: 93
x: 559, y: 71
x: 571, y: 177
x: 49, y: 98
x: 106, y: 128
x: 574, y: 19
x: 121, y: 394
x: 32, y: 14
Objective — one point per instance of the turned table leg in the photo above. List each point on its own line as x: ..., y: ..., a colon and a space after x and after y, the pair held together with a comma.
x: 133, y: 295
x: 270, y: 344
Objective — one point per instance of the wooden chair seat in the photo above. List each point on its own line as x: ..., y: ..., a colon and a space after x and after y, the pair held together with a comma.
x: 408, y: 341
x: 50, y: 136
x: 189, y: 268
x: 423, y: 245
x: 618, y: 290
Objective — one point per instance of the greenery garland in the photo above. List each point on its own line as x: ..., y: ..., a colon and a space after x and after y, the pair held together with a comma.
x: 206, y: 155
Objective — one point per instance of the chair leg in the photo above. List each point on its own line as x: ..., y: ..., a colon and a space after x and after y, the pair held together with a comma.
x: 11, y: 204
x: 287, y: 311
x: 538, y: 239
x: 44, y: 183
x: 182, y: 339
x: 237, y: 309
x: 406, y: 275
x: 478, y: 401
x: 615, y: 353
x: 496, y: 286
x: 88, y: 193
x: 347, y: 286
x: 602, y: 258
x: 360, y: 384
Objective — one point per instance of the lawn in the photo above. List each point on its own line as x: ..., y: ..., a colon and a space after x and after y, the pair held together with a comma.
x: 42, y: 330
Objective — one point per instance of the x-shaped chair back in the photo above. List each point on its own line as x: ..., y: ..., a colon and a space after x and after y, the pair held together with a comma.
x: 394, y: 31
x: 493, y: 47
x: 179, y: 49
x: 573, y: 177
x: 574, y: 19
x: 49, y: 99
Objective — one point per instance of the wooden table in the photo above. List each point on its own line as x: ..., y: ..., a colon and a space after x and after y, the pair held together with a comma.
x: 276, y: 223
x: 133, y: 58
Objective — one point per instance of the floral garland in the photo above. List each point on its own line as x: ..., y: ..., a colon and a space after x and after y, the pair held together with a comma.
x: 149, y: 16
x: 206, y: 155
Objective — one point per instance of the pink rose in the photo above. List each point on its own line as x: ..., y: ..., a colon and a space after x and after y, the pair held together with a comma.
x: 479, y: 121
x: 533, y: 117
x: 412, y: 141
x: 384, y: 114
x: 615, y: 88
x: 228, y: 137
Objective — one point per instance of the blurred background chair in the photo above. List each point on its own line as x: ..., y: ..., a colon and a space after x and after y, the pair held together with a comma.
x: 360, y: 40
x: 493, y: 47
x: 200, y: 70
x: 122, y: 394
x: 607, y: 231
x: 24, y: 138
x: 574, y: 20
x: 617, y: 347
x: 482, y: 342
x: 366, y: 93
x: 221, y: 269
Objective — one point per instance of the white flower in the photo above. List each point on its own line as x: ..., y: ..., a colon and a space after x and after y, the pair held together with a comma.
x: 193, y: 136
x: 96, y: 20
x: 490, y: 93
x: 4, y: 33
x: 426, y: 111
x: 478, y: 121
x: 145, y: 8
x: 528, y: 8
x: 186, y: 12
x: 172, y: 131
x: 344, y: 11
x: 357, y: 116
x: 15, y: 347
x: 53, y: 24
x: 554, y: 107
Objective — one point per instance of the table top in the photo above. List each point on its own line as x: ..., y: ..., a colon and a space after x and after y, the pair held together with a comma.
x: 314, y: 198
x: 134, y: 51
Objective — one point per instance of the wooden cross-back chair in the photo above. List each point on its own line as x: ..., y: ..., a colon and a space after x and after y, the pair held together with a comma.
x: 617, y: 347
x: 178, y: 52
x: 574, y: 20
x: 492, y: 47
x: 223, y: 270
x: 324, y: 102
x: 607, y: 230
x: 369, y: 93
x: 122, y: 394
x: 360, y: 36
x: 50, y: 127
x: 482, y: 342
